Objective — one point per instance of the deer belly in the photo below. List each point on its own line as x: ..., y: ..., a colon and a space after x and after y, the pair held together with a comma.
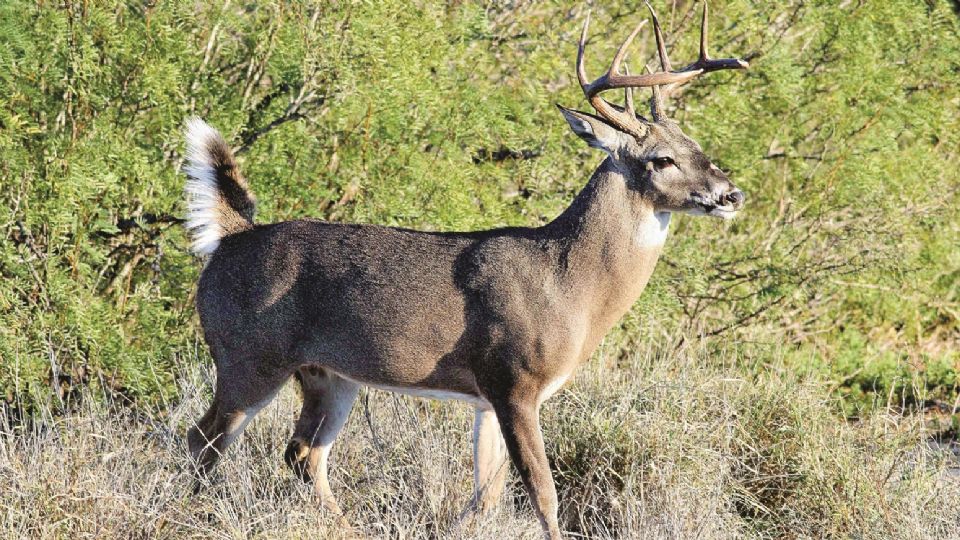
x: 429, y: 393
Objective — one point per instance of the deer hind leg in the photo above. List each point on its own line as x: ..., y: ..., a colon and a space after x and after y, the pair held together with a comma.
x: 327, y: 400
x: 238, y: 398
x: 489, y: 461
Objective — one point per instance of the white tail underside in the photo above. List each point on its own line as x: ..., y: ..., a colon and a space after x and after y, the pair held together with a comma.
x: 203, y: 196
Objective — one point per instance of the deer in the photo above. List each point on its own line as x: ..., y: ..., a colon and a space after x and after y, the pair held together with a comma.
x: 500, y: 319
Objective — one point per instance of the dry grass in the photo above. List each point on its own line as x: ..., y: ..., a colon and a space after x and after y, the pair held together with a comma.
x: 679, y: 445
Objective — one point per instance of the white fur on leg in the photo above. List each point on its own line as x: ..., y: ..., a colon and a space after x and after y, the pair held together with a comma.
x: 489, y: 461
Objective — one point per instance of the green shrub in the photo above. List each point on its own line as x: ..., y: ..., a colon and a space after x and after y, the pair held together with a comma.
x: 844, y: 134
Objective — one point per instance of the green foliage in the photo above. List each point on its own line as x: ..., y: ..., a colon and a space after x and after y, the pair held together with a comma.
x: 867, y: 378
x: 844, y: 134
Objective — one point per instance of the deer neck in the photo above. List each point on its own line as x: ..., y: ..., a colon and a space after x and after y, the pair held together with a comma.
x: 609, y: 240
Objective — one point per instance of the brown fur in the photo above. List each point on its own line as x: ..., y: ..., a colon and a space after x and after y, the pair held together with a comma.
x: 239, y: 204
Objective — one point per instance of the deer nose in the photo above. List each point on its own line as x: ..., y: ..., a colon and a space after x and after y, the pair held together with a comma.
x: 734, y: 198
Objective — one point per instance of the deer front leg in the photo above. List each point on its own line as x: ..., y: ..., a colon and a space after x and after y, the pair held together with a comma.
x: 519, y: 417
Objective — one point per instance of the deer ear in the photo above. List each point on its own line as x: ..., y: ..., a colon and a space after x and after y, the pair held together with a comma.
x: 595, y: 131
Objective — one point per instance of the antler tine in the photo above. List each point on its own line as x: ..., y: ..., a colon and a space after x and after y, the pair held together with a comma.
x: 703, y: 34
x: 622, y: 51
x: 656, y: 102
x: 592, y: 89
x: 615, y: 69
x: 704, y: 63
x: 581, y: 70
x: 661, y: 48
x: 628, y: 95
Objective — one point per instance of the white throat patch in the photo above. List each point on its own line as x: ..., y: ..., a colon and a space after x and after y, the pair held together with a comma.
x: 652, y: 231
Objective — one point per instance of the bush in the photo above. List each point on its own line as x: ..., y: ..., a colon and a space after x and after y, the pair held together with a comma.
x: 843, y: 132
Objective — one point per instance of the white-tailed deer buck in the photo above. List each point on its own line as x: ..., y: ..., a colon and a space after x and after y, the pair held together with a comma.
x: 500, y: 319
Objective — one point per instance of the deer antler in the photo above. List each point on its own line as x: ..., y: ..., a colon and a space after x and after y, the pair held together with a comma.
x: 626, y: 119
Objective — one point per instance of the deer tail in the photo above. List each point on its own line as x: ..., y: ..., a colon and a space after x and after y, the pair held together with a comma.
x: 219, y: 201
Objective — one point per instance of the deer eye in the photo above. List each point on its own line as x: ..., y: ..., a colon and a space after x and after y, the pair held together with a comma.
x: 663, y: 162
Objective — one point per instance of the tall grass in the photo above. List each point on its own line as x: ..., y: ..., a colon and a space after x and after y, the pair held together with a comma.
x: 662, y: 443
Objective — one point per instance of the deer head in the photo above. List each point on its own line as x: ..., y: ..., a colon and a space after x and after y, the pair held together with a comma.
x: 668, y: 168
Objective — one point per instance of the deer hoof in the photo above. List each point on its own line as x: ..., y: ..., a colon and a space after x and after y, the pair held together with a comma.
x: 296, y: 457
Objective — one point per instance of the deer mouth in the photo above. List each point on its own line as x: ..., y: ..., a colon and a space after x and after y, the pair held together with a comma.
x: 724, y: 206
x: 703, y: 208
x: 723, y: 212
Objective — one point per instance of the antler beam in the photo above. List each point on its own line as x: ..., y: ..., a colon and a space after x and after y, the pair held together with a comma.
x: 613, y: 78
